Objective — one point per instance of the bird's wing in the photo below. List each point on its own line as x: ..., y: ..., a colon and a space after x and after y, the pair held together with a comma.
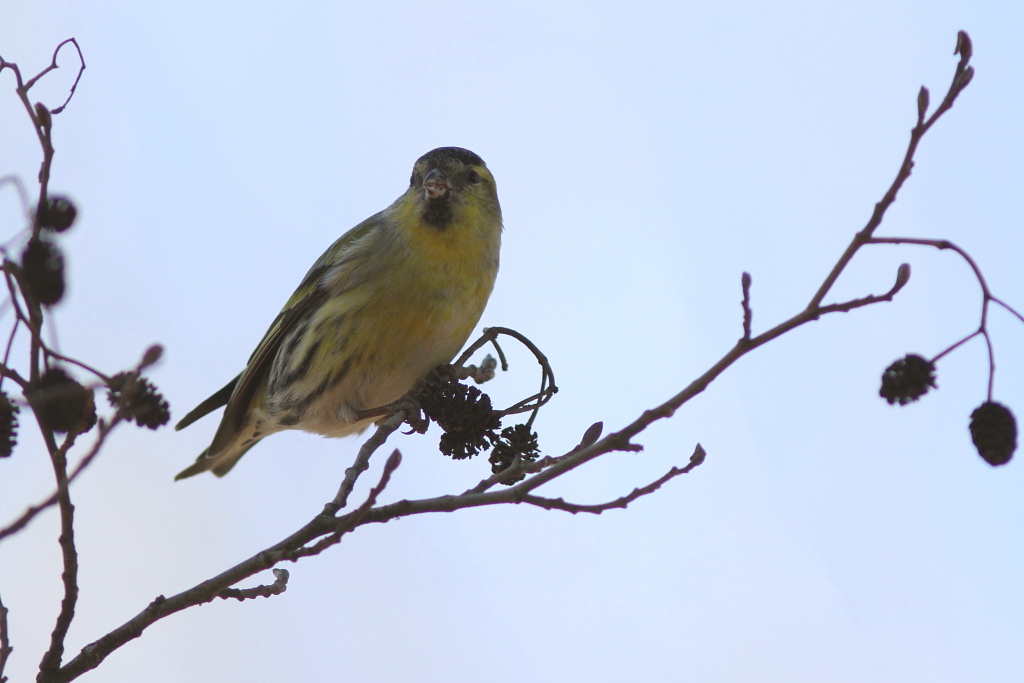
x: 208, y: 406
x: 237, y: 393
x: 256, y: 372
x: 339, y: 264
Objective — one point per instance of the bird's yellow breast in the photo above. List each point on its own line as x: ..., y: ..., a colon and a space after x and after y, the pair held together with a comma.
x: 447, y: 277
x: 387, y: 333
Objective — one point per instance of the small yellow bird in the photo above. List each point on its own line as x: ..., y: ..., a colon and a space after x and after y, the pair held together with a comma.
x: 392, y: 299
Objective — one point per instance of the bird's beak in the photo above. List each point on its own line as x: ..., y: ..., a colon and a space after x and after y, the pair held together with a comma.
x: 435, y: 187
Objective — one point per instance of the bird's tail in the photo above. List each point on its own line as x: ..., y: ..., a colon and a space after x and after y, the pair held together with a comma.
x: 220, y: 463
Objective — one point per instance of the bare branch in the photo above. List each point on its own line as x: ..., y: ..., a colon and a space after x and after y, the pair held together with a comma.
x: 22, y: 194
x: 356, y: 518
x: 362, y: 461
x: 748, y: 314
x: 548, y: 388
x: 27, y: 516
x: 5, y: 642
x: 956, y: 345
x: 279, y: 586
x: 560, y: 504
x: 69, y: 553
x: 986, y: 297
x: 961, y: 78
x: 902, y: 277
x: 590, y: 437
x: 479, y: 374
x: 53, y: 65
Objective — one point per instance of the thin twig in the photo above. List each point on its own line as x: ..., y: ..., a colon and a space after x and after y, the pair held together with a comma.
x: 27, y: 516
x: 986, y: 297
x: 50, y: 662
x: 50, y: 353
x: 961, y: 77
x: 22, y: 194
x: 392, y: 463
x: 5, y: 641
x: 548, y: 388
x: 1007, y: 307
x: 11, y: 278
x: 279, y: 586
x: 7, y: 356
x: 362, y: 461
x: 847, y: 306
x: 955, y: 346
x: 560, y: 504
x: 748, y: 313
x: 479, y: 374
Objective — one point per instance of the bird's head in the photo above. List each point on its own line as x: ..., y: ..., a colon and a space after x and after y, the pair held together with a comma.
x: 450, y: 185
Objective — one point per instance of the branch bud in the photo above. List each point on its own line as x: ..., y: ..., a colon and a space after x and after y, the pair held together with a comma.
x: 965, y: 78
x: 43, y: 116
x: 592, y: 434
x: 902, y: 276
x: 151, y: 356
x: 963, y: 47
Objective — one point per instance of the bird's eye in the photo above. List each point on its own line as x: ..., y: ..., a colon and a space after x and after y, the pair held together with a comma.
x: 473, y: 177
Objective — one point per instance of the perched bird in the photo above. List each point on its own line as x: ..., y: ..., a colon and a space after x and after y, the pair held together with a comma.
x: 392, y: 299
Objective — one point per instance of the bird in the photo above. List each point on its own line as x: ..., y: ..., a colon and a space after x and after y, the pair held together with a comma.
x: 393, y: 298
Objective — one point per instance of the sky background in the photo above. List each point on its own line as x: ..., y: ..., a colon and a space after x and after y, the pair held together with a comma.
x: 646, y: 154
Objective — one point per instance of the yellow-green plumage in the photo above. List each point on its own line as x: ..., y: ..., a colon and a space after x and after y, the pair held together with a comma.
x: 392, y: 299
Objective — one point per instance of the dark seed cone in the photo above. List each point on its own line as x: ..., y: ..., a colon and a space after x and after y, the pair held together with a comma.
x: 994, y: 432
x: 57, y: 214
x: 62, y: 404
x: 8, y: 425
x: 907, y: 380
x: 516, y: 441
x: 464, y: 413
x: 138, y: 400
x: 42, y: 267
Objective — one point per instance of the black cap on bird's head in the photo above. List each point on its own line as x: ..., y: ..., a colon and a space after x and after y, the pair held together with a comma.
x: 437, y: 174
x: 442, y: 154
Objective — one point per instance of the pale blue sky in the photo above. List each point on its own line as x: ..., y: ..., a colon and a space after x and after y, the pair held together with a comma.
x: 646, y: 154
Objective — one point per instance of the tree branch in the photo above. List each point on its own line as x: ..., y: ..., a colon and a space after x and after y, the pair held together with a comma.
x: 961, y: 77
x: 560, y: 504
x: 27, y: 516
x: 5, y: 642
x: 362, y: 461
x: 279, y: 586
x: 986, y: 298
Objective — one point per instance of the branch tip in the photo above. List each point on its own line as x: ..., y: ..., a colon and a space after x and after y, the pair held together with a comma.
x: 279, y: 586
x: 151, y: 356
x: 902, y: 277
x: 748, y: 314
x: 591, y: 436
x: 922, y: 104
x: 963, y: 47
